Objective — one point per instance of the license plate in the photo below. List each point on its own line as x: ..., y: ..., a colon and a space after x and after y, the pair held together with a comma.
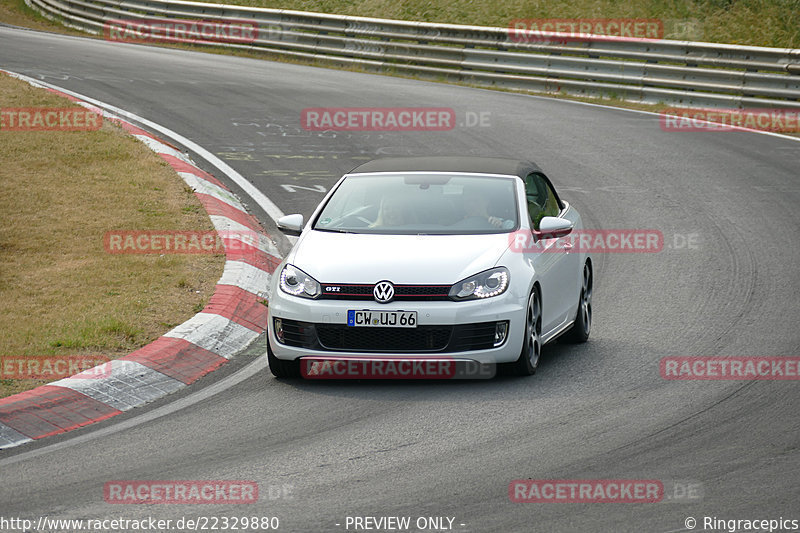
x: 382, y: 319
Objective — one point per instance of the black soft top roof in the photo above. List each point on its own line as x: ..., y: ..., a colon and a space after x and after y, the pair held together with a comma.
x: 481, y: 165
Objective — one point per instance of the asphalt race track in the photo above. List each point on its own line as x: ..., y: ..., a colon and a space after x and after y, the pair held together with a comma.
x: 421, y: 449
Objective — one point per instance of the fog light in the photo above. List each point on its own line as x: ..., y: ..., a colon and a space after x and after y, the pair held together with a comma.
x: 500, y: 332
x: 279, y: 330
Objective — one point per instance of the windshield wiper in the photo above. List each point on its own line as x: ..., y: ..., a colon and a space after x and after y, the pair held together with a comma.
x: 334, y: 230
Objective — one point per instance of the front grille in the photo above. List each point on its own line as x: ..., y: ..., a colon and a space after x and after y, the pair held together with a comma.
x: 473, y: 337
x: 406, y: 293
x: 340, y: 337
x: 300, y: 334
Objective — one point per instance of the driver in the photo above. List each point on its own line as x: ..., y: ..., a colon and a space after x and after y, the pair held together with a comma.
x: 476, y: 205
x: 392, y: 212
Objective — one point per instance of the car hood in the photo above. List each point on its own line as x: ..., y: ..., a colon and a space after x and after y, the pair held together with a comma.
x: 332, y: 257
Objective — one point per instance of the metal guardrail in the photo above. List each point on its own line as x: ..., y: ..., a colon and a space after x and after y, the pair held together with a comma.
x: 677, y: 73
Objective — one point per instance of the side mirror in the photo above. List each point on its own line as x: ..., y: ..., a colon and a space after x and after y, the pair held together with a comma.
x: 291, y: 224
x: 554, y: 227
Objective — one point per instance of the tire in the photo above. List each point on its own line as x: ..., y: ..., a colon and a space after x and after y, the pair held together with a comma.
x: 532, y: 342
x: 579, y: 332
x: 280, y: 368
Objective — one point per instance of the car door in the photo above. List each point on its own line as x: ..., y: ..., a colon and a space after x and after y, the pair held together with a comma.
x: 553, y: 259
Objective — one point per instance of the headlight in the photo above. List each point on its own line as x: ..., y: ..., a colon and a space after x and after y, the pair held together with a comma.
x: 484, y: 285
x: 297, y: 283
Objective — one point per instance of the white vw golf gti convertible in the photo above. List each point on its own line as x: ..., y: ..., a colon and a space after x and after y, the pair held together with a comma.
x: 457, y: 258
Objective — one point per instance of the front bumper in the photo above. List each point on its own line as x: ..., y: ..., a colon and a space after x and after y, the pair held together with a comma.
x: 318, y: 328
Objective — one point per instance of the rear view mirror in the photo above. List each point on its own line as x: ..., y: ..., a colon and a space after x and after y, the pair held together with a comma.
x: 291, y: 224
x: 554, y: 227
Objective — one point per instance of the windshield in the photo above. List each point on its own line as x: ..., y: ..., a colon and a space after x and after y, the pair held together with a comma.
x: 421, y: 204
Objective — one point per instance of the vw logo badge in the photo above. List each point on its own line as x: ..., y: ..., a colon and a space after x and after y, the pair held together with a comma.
x: 383, y: 292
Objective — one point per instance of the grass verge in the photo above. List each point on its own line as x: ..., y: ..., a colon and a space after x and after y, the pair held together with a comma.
x: 17, y: 13
x: 774, y: 23
x: 745, y: 22
x: 60, y: 192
